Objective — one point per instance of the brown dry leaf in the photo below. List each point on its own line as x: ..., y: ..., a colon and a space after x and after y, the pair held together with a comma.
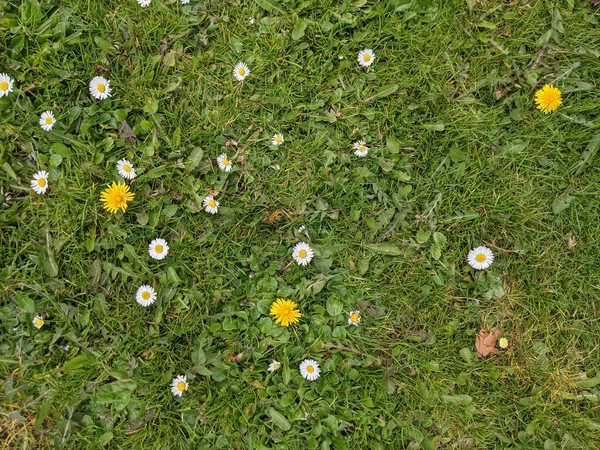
x: 572, y: 242
x: 485, y: 343
x: 126, y: 133
x: 365, y: 305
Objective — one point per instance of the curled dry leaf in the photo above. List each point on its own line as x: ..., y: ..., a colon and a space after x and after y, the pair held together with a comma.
x: 485, y: 343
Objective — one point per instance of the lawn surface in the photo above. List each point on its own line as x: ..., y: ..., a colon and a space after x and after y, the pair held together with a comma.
x: 459, y: 157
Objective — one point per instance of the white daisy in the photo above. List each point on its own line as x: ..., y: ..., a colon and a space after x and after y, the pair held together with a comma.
x: 179, y: 385
x: 241, y: 71
x: 125, y: 169
x: 301, y: 228
x: 145, y: 295
x: 480, y: 258
x: 144, y: 3
x: 354, y: 318
x: 503, y: 343
x: 366, y: 57
x: 210, y: 204
x: 38, y: 322
x: 309, y: 369
x: 100, y: 87
x: 360, y: 149
x: 275, y: 365
x: 224, y: 162
x: 6, y: 84
x: 277, y: 139
x: 185, y: 2
x: 158, y: 248
x: 251, y: 21
x: 47, y: 120
x: 302, y: 253
x: 40, y: 182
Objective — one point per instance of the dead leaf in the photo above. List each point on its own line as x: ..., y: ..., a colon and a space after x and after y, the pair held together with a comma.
x: 126, y: 133
x: 572, y: 242
x: 485, y: 343
x: 365, y: 305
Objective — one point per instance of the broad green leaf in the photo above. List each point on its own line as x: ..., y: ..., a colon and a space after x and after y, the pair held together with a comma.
x: 194, y: 158
x: 270, y: 5
x: 466, y: 354
x: 61, y: 149
x: 55, y: 160
x: 25, y: 303
x: 423, y: 236
x: 439, y: 239
x: 383, y: 92
x: 435, y: 251
x: 460, y: 215
x: 561, y: 203
x: 458, y: 399
x: 385, y: 249
x: 434, y: 126
x: 104, y: 44
x: 334, y: 307
x: 78, y: 362
x: 588, y: 382
x: 105, y: 438
x: 279, y: 420
x: 486, y: 24
x: 393, y: 144
x: 298, y: 31
x: 156, y: 172
x: 471, y: 4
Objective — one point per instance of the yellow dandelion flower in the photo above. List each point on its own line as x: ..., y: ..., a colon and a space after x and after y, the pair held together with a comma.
x: 115, y: 197
x: 548, y: 98
x: 285, y: 312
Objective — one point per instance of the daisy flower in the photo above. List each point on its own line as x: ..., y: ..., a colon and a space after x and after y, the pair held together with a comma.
x: 47, y: 120
x: 144, y: 3
x: 285, y: 312
x: 301, y: 228
x: 303, y: 254
x: 354, y: 318
x: 125, y: 169
x: 145, y: 295
x: 38, y: 322
x: 185, y: 2
x: 275, y: 365
x: 158, y: 248
x: 503, y: 343
x: 115, y: 197
x: 251, y: 21
x: 548, y: 98
x: 366, y: 57
x: 6, y: 84
x: 277, y: 139
x: 40, y: 182
x: 360, y: 149
x: 480, y: 258
x: 179, y: 385
x: 224, y: 162
x: 241, y: 71
x: 100, y: 87
x: 309, y: 369
x: 210, y: 204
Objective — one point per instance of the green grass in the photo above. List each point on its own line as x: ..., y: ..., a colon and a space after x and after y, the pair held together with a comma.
x: 458, y: 153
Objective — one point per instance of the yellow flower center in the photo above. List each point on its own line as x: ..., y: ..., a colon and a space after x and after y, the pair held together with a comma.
x: 480, y: 257
x: 310, y: 369
x: 38, y: 322
x: 367, y: 57
x: 158, y: 248
x: 118, y: 199
x: 101, y: 87
x: 181, y: 386
x: 212, y: 204
x: 277, y: 138
x: 503, y: 342
x: 361, y: 148
x: 41, y: 182
x: 276, y: 366
x: 225, y: 162
x: 354, y: 317
x: 302, y: 254
x: 241, y: 71
x: 3, y: 85
x: 127, y: 168
x: 146, y: 295
x: 48, y: 120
